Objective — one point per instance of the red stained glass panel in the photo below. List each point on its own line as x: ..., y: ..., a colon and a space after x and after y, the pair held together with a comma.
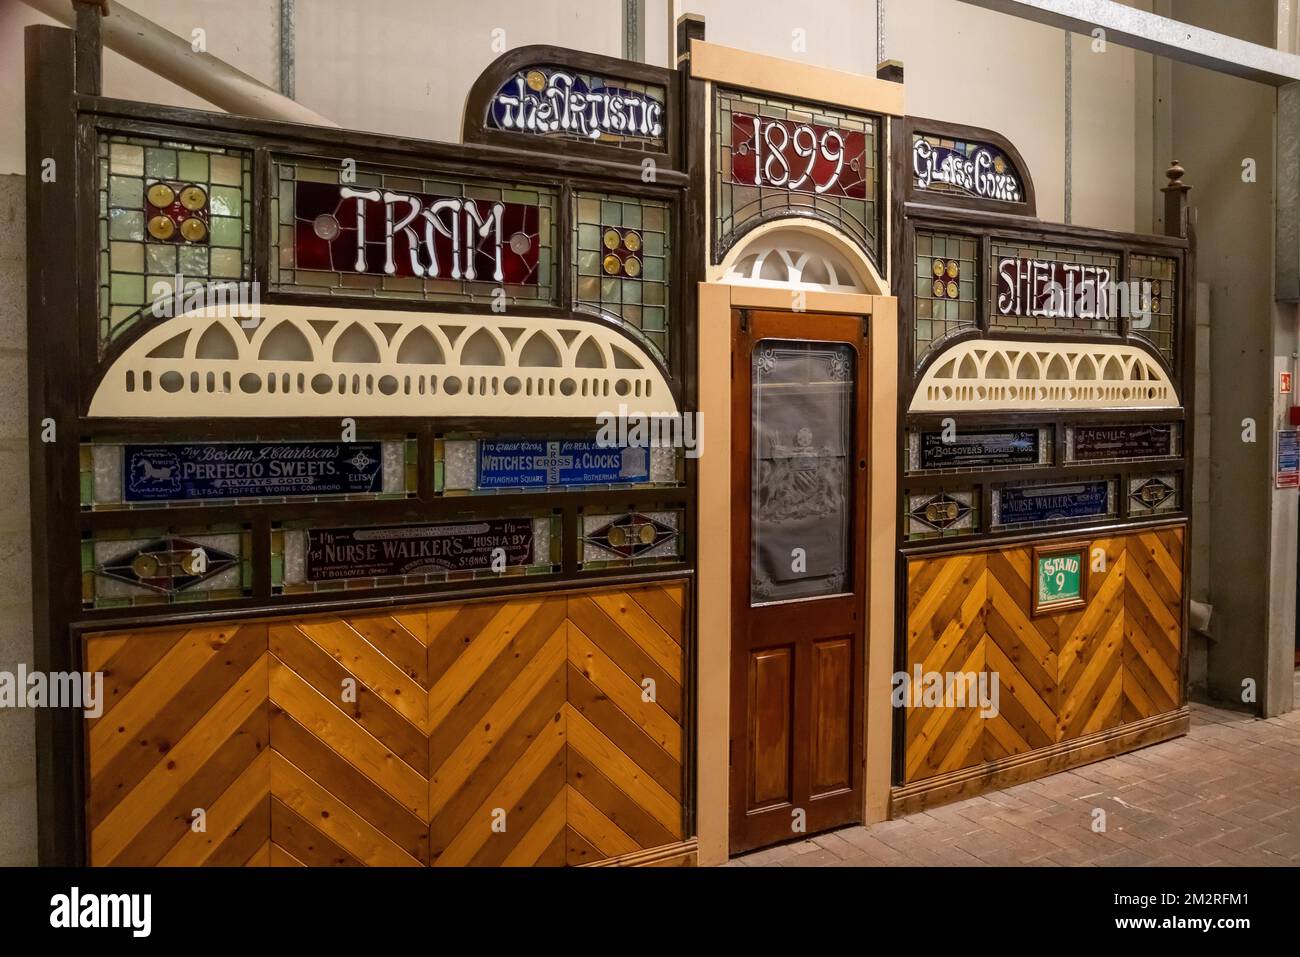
x: 802, y: 157
x: 437, y: 237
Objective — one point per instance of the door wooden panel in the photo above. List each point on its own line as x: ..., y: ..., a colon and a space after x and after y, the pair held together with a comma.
x: 832, y: 714
x: 396, y: 738
x: 771, y: 697
x: 799, y: 468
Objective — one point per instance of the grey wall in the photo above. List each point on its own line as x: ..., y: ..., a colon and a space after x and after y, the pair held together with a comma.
x: 1218, y: 121
x: 17, y: 735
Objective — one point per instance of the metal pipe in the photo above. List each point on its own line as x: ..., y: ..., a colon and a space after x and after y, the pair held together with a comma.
x: 146, y: 43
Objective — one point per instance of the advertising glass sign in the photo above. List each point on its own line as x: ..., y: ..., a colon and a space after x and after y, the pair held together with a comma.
x: 549, y: 101
x: 1025, y: 504
x: 980, y: 449
x: 338, y: 553
x: 965, y: 168
x: 535, y: 463
x: 223, y: 470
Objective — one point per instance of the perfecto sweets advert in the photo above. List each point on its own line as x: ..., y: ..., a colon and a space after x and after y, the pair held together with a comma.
x: 337, y: 553
x: 154, y: 473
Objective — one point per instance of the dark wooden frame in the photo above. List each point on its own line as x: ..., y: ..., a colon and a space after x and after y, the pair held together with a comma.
x: 986, y: 220
x: 1061, y: 548
x: 65, y: 116
x: 750, y: 326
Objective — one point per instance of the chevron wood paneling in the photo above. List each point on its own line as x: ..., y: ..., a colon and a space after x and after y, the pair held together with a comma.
x: 1061, y: 676
x: 539, y: 731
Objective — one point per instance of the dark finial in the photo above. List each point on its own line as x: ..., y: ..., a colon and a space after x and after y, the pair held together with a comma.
x: 1175, y: 175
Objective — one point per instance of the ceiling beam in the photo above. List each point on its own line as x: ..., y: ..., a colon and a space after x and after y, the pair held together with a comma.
x: 1162, y: 36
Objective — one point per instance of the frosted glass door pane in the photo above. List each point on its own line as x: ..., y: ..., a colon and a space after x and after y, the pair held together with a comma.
x: 802, y: 445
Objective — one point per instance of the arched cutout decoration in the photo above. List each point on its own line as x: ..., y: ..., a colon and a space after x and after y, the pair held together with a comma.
x: 972, y: 376
x: 801, y: 254
x: 309, y: 361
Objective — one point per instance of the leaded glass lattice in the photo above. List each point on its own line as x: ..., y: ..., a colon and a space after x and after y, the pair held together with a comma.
x: 1156, y: 323
x: 1104, y: 321
x: 610, y: 234
x: 854, y: 211
x: 947, y: 284
x: 172, y: 215
x: 527, y: 238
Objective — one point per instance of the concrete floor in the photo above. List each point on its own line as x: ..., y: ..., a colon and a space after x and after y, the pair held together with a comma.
x: 1228, y: 793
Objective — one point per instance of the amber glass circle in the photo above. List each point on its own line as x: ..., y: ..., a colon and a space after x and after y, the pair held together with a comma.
x: 145, y: 566
x: 160, y: 195
x: 646, y: 534
x: 632, y: 266
x: 193, y: 229
x: 938, y: 288
x: 953, y: 268
x: 161, y: 227
x: 938, y: 267
x: 193, y: 198
x: 617, y: 537
x: 632, y: 241
x: 612, y: 239
x: 612, y: 264
x: 952, y: 290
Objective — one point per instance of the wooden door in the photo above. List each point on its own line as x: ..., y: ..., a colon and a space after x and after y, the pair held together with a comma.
x: 799, y: 576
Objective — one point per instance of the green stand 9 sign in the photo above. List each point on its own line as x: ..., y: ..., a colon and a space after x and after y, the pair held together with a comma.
x: 1060, y: 577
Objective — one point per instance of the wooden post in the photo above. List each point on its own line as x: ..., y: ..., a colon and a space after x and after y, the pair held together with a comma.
x: 1176, y: 201
x: 90, y: 47
x: 891, y: 70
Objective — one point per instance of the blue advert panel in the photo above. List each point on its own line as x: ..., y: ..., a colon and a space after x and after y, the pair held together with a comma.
x: 1045, y: 503
x: 216, y: 470
x: 530, y: 463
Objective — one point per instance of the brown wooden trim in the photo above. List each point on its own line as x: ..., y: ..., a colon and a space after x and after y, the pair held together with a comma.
x: 683, y: 854
x: 247, y: 131
x: 56, y: 299
x: 906, y: 186
x: 475, y: 130
x: 1017, y: 769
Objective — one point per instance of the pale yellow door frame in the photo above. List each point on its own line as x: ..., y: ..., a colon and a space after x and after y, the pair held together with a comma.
x: 716, y: 301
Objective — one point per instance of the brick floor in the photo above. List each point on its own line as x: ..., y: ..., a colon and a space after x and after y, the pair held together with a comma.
x: 1228, y: 794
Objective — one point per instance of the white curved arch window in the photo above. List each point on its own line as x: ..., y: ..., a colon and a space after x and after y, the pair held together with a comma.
x: 794, y: 258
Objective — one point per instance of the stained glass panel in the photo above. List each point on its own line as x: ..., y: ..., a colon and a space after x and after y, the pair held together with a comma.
x: 1041, y: 288
x: 622, y: 248
x: 1156, y: 326
x: 774, y: 157
x: 559, y: 103
x: 628, y: 539
x: 944, y: 514
x: 164, y: 566
x: 947, y: 284
x: 451, y: 240
x: 172, y: 216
